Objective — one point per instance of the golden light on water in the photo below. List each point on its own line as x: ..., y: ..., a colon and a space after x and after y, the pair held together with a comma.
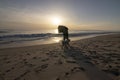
x: 57, y: 39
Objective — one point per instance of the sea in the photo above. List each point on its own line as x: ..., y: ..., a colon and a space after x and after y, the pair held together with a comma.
x: 20, y: 38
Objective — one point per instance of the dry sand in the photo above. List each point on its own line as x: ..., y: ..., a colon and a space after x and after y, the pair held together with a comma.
x: 95, y: 58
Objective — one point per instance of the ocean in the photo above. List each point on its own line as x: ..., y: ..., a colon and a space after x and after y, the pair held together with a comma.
x: 19, y: 38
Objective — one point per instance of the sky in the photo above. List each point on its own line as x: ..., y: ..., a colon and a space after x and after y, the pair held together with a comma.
x: 76, y: 14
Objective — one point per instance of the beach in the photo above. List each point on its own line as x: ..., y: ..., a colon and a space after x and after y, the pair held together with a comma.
x: 96, y: 58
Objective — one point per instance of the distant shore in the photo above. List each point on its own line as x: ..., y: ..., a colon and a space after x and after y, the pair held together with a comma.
x: 94, y: 58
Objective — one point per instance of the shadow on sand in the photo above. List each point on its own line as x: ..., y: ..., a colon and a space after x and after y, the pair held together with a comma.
x: 90, y: 69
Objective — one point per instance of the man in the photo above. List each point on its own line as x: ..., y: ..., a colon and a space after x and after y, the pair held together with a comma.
x: 66, y: 40
x: 64, y: 30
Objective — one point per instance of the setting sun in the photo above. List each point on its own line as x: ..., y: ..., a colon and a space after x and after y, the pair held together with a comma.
x: 56, y: 20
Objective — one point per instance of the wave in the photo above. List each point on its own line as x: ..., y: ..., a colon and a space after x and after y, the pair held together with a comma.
x: 25, y: 35
x: 3, y: 31
x: 21, y: 38
x: 48, y: 35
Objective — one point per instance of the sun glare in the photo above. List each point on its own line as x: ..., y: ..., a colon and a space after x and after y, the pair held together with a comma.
x: 56, y: 20
x: 56, y: 31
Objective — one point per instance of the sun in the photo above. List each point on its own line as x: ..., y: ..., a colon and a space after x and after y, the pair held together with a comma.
x: 56, y: 20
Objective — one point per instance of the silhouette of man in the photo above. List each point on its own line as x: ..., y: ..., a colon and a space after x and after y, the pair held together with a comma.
x: 64, y: 30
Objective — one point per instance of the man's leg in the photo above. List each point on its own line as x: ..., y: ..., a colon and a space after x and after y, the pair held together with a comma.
x: 64, y: 37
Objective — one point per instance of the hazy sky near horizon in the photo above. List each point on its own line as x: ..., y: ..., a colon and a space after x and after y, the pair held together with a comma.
x: 76, y: 14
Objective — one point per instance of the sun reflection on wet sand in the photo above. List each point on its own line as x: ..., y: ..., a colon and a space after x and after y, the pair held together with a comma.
x: 57, y: 39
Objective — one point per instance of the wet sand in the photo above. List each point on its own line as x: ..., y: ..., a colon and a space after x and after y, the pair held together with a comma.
x: 87, y: 59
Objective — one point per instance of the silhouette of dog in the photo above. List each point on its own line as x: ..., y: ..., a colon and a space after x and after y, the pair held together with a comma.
x: 65, y: 44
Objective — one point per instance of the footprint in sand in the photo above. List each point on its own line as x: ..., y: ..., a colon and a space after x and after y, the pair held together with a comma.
x: 24, y: 59
x: 5, y: 58
x: 13, y: 68
x: 89, y: 62
x: 57, y: 78
x: 30, y: 65
x: 22, y: 75
x: 28, y: 53
x: 75, y: 69
x: 8, y: 62
x: 8, y: 70
x: 42, y: 67
x: 34, y: 57
x: 25, y: 62
x: 67, y: 73
x: 46, y: 59
x: 59, y: 62
x: 70, y: 61
x: 55, y: 56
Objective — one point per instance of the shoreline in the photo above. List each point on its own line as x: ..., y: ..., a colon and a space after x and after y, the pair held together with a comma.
x: 98, y: 55
x: 53, y: 40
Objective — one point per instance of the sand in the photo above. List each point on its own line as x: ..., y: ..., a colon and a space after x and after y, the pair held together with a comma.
x: 95, y: 58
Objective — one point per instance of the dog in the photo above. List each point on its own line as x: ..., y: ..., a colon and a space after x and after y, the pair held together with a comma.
x: 65, y: 44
